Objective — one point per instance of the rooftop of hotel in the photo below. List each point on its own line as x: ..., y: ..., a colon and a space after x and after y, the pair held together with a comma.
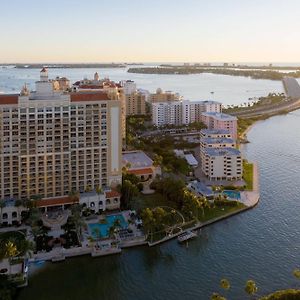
x: 222, y: 152
x: 220, y: 116
x: 136, y: 160
x: 217, y: 140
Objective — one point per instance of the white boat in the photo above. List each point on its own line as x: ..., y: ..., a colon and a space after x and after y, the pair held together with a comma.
x: 186, y: 236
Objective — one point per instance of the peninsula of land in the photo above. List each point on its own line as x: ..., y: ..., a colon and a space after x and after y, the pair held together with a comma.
x: 270, y: 73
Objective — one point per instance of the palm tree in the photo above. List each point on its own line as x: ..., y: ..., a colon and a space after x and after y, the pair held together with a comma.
x: 216, y: 296
x: 74, y: 196
x: 99, y: 190
x: 296, y: 273
x: 11, y: 251
x: 112, y: 231
x: 225, y: 284
x: 97, y: 233
x: 251, y: 287
x: 2, y: 205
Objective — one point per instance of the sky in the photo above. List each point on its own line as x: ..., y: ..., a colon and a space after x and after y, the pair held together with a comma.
x: 149, y: 31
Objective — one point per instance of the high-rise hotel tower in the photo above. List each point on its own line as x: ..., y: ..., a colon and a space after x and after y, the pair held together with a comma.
x: 54, y: 142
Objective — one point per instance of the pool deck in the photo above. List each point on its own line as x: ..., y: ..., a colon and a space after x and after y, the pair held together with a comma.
x: 249, y: 198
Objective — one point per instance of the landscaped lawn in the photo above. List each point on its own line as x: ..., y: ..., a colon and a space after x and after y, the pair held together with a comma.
x: 153, y: 200
x: 248, y: 174
x: 213, y: 213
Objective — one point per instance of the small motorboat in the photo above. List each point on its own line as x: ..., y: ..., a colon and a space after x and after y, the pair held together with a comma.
x: 186, y: 236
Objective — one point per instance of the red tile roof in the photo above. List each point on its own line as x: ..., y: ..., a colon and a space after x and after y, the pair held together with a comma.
x: 78, y: 97
x: 56, y: 201
x: 144, y: 171
x: 90, y: 86
x: 112, y: 194
x: 8, y: 99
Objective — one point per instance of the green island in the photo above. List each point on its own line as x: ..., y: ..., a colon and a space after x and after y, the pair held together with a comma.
x: 253, y: 73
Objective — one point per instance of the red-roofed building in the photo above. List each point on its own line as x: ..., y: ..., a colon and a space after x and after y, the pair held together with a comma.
x: 89, y: 96
x: 140, y: 164
x: 8, y: 99
x: 107, y: 200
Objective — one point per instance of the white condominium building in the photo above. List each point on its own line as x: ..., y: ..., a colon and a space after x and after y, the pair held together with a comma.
x: 181, y: 112
x: 53, y: 142
x: 198, y: 107
x: 222, y: 164
x: 216, y: 120
x: 217, y: 143
x: 215, y: 133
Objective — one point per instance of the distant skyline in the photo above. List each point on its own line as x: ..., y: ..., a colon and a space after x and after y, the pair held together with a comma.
x: 33, y: 31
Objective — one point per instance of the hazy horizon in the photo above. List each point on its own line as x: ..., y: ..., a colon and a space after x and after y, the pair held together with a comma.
x: 144, y: 31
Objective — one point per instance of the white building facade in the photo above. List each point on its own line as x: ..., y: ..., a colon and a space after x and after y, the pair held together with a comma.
x: 181, y: 112
x: 222, y: 164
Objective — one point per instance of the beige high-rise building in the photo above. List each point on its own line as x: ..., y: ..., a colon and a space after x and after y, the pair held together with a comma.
x: 53, y: 143
x: 135, y: 104
x: 114, y: 90
x: 166, y: 96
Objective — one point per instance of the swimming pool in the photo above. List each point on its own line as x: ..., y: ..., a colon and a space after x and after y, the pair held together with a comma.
x: 236, y: 195
x: 96, y: 229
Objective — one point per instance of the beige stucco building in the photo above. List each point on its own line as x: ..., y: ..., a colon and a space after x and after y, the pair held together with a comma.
x: 53, y: 142
x: 135, y: 104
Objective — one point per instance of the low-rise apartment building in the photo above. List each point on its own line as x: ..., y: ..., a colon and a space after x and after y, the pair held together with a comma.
x: 222, y: 164
x: 217, y: 120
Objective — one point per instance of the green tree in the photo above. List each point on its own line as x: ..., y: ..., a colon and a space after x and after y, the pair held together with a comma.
x: 112, y: 231
x: 148, y: 220
x: 225, y: 284
x: 7, y: 288
x: 97, y: 233
x: 251, y: 288
x: 216, y: 296
x: 157, y: 160
x: 296, y: 273
x: 99, y: 190
x: 11, y: 251
x: 74, y: 196
x: 191, y: 204
x: 128, y: 191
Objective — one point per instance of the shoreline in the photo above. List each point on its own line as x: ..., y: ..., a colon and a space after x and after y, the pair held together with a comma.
x: 254, y: 196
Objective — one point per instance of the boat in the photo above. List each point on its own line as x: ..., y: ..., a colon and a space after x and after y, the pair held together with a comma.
x: 186, y: 236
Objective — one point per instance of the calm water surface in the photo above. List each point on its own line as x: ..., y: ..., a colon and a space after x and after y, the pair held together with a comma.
x: 262, y: 244
x: 227, y: 89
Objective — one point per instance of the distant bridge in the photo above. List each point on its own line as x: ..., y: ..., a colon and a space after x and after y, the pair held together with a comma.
x: 291, y: 87
x: 292, y: 102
